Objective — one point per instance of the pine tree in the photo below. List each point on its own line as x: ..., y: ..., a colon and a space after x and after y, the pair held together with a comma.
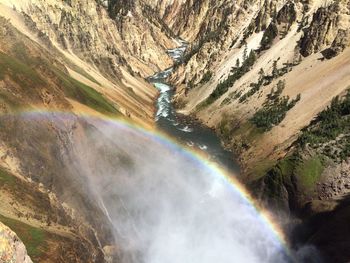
x: 261, y: 75
x: 238, y: 63
x: 280, y: 86
x: 274, y: 69
x: 251, y: 58
x: 245, y: 52
x: 261, y: 72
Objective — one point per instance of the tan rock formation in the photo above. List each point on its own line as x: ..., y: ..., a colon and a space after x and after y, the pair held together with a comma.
x: 309, y: 29
x: 12, y: 249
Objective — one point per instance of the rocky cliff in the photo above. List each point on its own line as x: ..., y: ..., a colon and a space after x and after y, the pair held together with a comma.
x: 68, y: 57
x: 229, y: 78
x: 110, y: 53
x: 262, y: 74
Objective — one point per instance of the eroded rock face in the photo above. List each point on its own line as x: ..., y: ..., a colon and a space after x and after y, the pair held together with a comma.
x: 287, y: 14
x: 322, y: 30
x: 85, y: 28
x: 336, y: 182
x: 280, y: 32
x: 341, y: 41
x: 12, y: 250
x: 120, y: 7
x: 112, y: 56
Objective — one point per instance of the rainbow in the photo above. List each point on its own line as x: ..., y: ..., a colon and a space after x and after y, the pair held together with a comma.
x: 196, y: 156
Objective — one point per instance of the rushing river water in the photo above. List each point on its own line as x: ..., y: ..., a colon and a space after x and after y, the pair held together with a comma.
x: 184, y: 128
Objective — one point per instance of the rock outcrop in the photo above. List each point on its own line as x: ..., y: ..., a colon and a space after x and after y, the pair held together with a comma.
x: 322, y: 30
x: 12, y: 250
x: 340, y: 43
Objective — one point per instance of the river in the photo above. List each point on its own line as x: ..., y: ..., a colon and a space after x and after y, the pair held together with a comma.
x: 185, y: 129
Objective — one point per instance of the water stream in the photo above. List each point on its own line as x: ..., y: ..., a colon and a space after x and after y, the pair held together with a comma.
x: 184, y: 128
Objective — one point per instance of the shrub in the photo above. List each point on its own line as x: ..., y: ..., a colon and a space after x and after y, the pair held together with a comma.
x: 274, y: 109
x: 206, y: 77
x: 236, y: 74
x: 269, y: 35
x: 329, y: 125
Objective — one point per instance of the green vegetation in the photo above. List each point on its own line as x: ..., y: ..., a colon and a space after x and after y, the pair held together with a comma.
x: 81, y: 71
x: 269, y: 35
x: 265, y: 80
x: 274, y: 109
x: 329, y: 138
x: 206, y: 77
x: 236, y: 73
x: 225, y: 128
x: 290, y: 172
x: 85, y: 94
x: 21, y: 73
x: 6, y: 178
x: 274, y: 181
x: 32, y: 237
x: 309, y: 172
x: 21, y: 70
x: 261, y: 168
x: 232, y: 96
x: 332, y: 124
x: 24, y: 193
x: 244, y: 134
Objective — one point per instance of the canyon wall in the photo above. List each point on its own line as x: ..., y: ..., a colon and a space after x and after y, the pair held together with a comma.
x: 263, y: 74
x: 270, y: 77
x: 73, y: 58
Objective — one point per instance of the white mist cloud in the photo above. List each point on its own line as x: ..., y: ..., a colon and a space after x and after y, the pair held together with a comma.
x: 166, y: 207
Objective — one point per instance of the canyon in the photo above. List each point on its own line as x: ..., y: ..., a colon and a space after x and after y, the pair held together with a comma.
x: 270, y: 78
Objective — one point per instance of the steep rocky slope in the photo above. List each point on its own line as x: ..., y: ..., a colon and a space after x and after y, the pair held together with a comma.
x: 81, y: 57
x: 262, y: 75
x: 228, y: 78
x: 111, y: 61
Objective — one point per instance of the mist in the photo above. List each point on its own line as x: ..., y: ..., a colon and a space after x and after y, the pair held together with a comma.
x: 165, y: 205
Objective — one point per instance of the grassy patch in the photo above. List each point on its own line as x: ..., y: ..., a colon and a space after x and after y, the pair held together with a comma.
x: 309, y: 172
x: 6, y: 178
x: 261, y: 168
x: 26, y: 194
x: 21, y: 69
x: 287, y: 165
x: 81, y: 71
x: 85, y: 94
x: 32, y: 237
x: 21, y: 73
x: 248, y: 131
